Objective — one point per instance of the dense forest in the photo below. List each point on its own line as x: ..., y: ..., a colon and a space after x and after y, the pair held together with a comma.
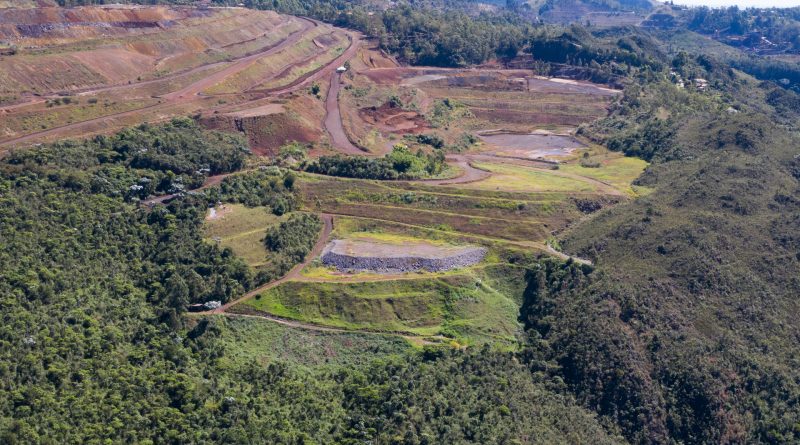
x: 694, y: 292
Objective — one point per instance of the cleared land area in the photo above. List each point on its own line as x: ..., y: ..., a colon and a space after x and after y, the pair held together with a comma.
x: 187, y: 60
x: 428, y: 259
x: 241, y: 229
x: 531, y: 145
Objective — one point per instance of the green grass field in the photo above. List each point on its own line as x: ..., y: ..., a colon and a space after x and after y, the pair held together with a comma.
x: 242, y: 229
x: 248, y: 339
x: 514, y: 178
x: 472, y: 307
x: 618, y: 171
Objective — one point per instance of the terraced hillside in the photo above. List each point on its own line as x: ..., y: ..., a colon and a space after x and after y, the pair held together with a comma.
x: 90, y: 69
x: 62, y: 50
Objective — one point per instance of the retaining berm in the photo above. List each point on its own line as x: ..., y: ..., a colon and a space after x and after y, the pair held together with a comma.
x: 408, y: 258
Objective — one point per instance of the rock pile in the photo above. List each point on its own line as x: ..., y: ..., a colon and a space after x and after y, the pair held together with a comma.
x: 402, y: 263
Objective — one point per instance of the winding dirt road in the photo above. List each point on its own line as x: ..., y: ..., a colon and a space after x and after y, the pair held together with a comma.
x: 313, y: 76
x: 470, y: 173
x: 327, y: 228
x: 333, y: 119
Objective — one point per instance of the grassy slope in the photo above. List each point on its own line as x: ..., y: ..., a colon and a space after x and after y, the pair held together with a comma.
x: 249, y: 340
x: 465, y: 305
x: 242, y: 229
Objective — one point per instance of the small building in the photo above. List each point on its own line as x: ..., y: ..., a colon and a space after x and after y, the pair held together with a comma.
x: 701, y: 84
x: 213, y: 304
x: 341, y: 69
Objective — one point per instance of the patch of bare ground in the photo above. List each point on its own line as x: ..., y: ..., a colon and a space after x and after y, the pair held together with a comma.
x: 392, y: 119
x: 537, y: 145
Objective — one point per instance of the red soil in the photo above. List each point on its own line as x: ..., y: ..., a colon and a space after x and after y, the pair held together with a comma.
x: 394, y: 120
x: 333, y: 119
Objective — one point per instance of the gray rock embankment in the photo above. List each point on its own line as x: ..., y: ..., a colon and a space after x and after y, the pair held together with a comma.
x: 401, y: 264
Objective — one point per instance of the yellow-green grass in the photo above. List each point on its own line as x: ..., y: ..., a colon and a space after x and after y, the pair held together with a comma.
x: 475, y: 202
x: 515, y: 178
x: 464, y: 306
x: 242, y: 229
x: 529, y: 216
x: 394, y: 238
x: 522, y: 110
x: 248, y: 340
x: 616, y: 170
x: 108, y: 124
x: 347, y: 227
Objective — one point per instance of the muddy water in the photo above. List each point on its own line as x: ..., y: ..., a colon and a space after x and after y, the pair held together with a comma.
x: 532, y: 145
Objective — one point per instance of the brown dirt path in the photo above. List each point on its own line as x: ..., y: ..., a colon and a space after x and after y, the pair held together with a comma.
x: 327, y: 228
x: 333, y: 119
x: 471, y: 174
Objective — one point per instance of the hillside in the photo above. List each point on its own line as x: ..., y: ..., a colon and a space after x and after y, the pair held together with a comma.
x: 694, y: 288
x: 594, y: 12
x: 439, y: 222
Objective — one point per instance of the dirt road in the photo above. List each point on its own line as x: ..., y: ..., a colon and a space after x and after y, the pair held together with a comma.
x: 327, y: 228
x: 333, y: 119
x: 471, y: 174
x: 320, y: 73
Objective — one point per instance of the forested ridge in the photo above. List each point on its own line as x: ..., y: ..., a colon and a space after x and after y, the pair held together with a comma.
x: 690, y: 333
